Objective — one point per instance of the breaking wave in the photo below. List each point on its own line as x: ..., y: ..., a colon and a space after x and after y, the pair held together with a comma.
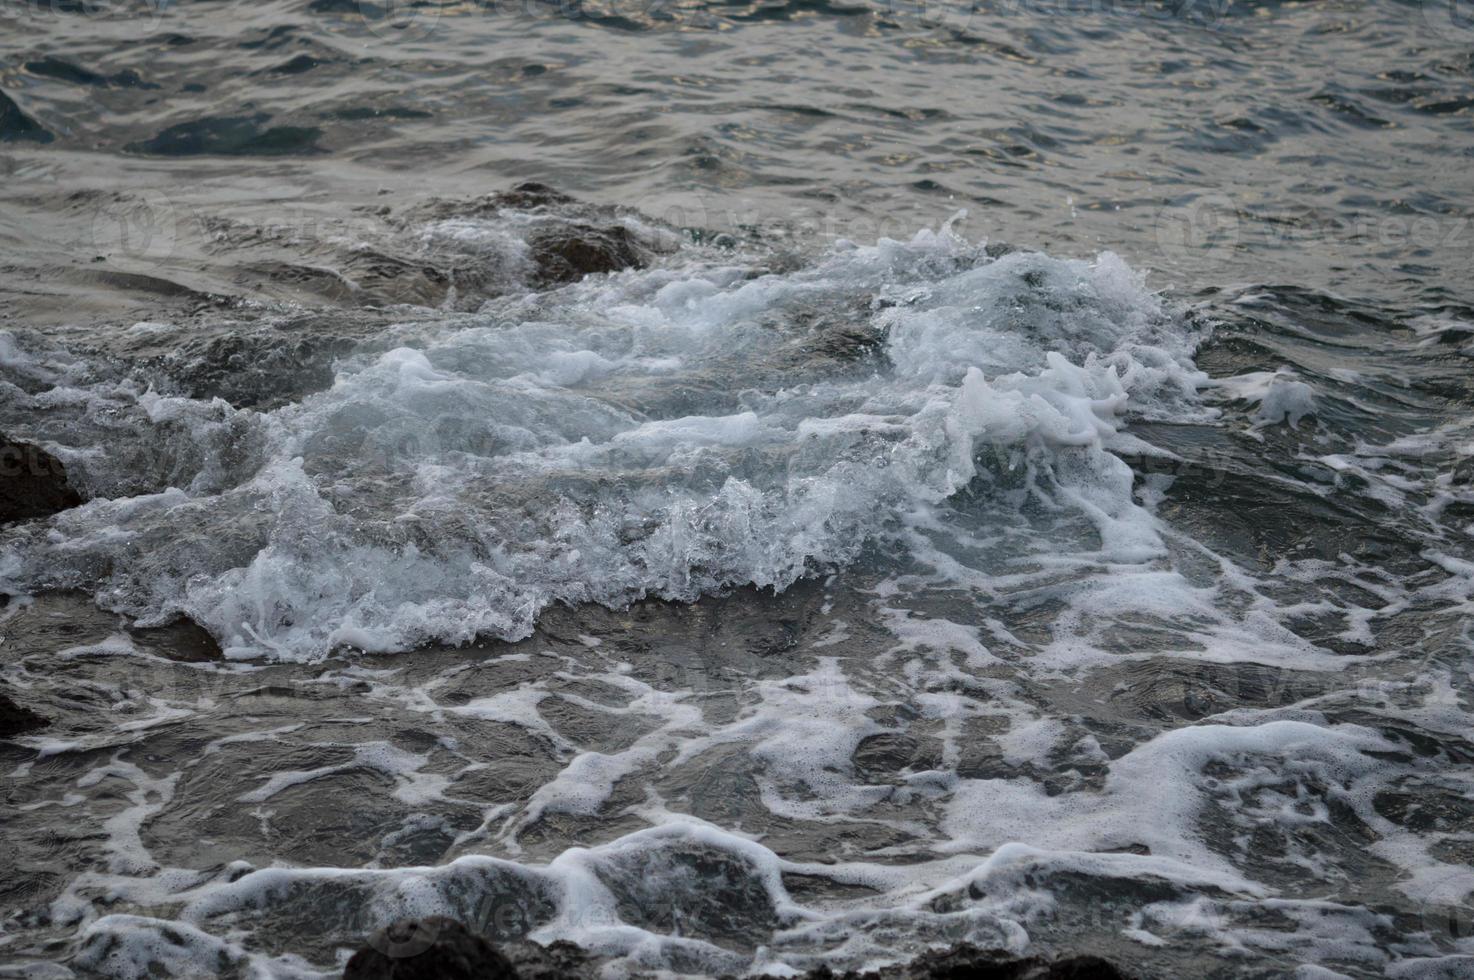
x: 684, y: 429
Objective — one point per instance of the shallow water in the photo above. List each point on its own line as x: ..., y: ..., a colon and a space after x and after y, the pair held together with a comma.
x: 1090, y: 571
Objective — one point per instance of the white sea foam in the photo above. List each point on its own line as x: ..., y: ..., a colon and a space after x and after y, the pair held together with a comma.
x: 700, y: 425
x: 652, y: 433
x: 1281, y: 397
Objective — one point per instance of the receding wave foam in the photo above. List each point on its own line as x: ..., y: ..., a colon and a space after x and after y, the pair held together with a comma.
x: 667, y: 432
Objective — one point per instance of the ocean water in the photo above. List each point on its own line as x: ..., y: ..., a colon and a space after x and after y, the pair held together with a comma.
x: 1021, y: 491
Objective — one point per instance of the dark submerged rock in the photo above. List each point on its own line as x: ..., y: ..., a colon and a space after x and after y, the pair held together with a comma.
x: 65, y: 71
x: 434, y: 948
x: 299, y: 65
x: 16, y: 720
x: 33, y: 483
x: 230, y: 136
x: 964, y: 962
x: 16, y: 125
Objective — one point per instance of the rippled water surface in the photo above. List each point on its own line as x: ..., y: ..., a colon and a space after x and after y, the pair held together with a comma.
x: 1010, y: 481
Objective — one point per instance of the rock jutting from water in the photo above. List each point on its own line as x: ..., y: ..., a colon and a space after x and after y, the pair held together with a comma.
x: 16, y: 125
x: 18, y: 720
x: 33, y: 483
x: 440, y: 948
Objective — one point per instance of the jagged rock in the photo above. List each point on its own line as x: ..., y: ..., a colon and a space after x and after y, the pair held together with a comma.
x: 566, y: 239
x: 267, y: 364
x: 567, y: 252
x: 881, y: 756
x: 434, y: 948
x: 16, y: 720
x: 964, y: 962
x: 557, y: 961
x: 33, y: 483
x: 531, y: 195
x: 182, y: 641
x: 438, y: 948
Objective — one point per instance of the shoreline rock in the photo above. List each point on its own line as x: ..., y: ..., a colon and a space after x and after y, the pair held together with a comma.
x: 568, y: 253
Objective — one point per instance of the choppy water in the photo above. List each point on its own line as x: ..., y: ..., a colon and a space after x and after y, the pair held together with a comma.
x: 1089, y: 572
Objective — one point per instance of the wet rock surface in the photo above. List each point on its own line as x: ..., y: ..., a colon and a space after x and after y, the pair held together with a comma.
x: 259, y: 360
x: 526, y: 196
x: 286, y: 303
x: 557, y: 961
x: 33, y: 483
x: 963, y: 962
x: 181, y: 641
x: 570, y: 252
x: 563, y: 239
x: 121, y: 257
x: 434, y: 949
x: 439, y: 948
